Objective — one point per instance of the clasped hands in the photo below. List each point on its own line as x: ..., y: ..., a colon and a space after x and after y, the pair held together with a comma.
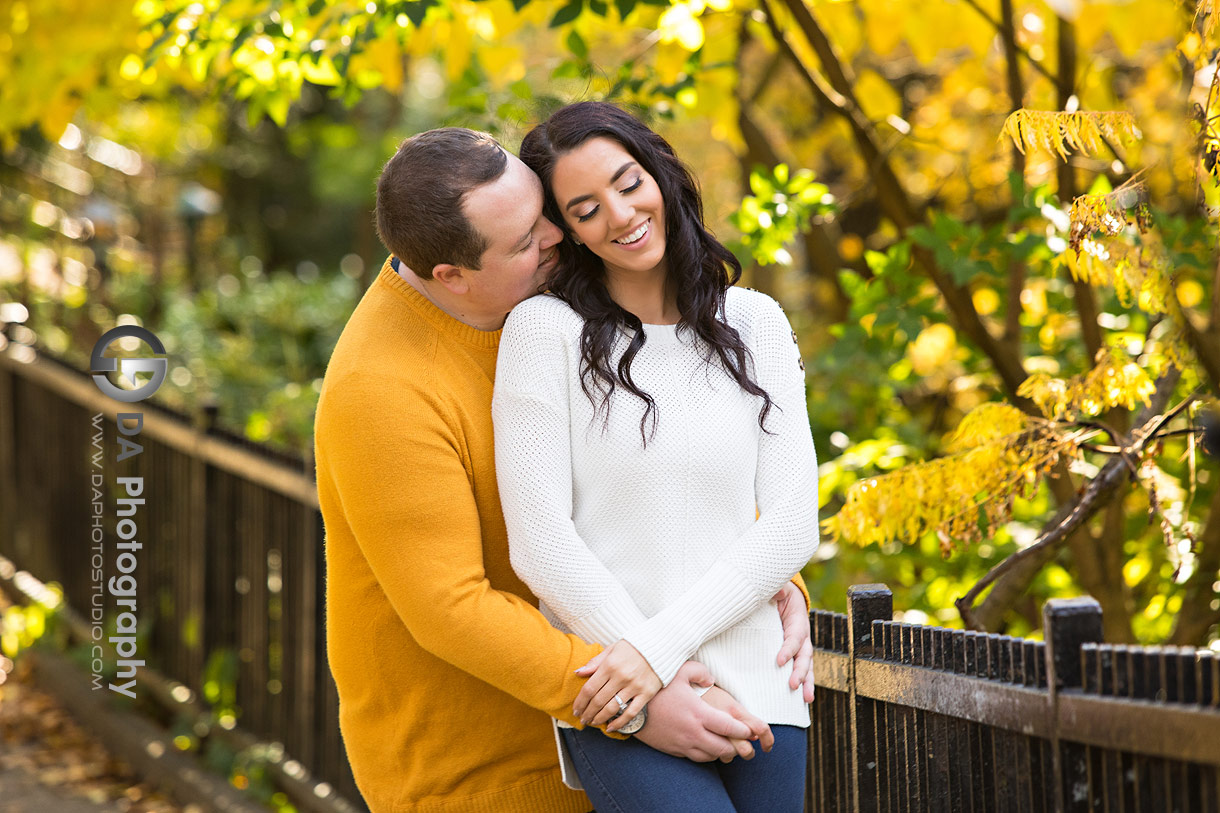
x: 620, y: 683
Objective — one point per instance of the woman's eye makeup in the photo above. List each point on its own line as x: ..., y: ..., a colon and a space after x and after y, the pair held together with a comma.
x: 634, y: 186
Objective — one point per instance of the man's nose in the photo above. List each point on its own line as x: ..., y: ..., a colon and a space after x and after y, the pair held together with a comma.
x: 551, y: 235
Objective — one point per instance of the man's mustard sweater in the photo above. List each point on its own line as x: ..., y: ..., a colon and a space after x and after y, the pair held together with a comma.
x: 446, y: 670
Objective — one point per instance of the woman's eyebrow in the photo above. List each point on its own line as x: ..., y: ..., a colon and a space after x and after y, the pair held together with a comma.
x: 618, y: 174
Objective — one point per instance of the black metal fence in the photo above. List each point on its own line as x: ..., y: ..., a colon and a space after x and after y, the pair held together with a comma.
x: 914, y: 718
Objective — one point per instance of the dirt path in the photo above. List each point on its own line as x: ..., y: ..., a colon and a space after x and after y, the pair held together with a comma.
x: 49, y: 764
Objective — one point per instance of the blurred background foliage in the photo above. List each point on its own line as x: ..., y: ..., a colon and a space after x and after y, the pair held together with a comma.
x: 207, y: 169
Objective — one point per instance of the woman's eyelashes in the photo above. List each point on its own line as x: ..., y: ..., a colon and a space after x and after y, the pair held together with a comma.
x: 583, y: 217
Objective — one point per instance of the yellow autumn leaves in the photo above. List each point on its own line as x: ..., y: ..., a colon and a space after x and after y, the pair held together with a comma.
x: 996, y: 453
x: 1114, y: 381
x: 1085, y: 132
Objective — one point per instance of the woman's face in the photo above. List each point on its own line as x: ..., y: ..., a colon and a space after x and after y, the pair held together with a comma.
x: 612, y: 205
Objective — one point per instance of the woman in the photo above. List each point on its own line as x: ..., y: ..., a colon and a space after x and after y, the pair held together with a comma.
x: 655, y: 462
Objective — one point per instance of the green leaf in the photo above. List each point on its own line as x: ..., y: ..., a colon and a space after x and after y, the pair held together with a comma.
x: 522, y: 90
x: 520, y: 4
x: 243, y: 34
x: 624, y: 7
x: 154, y: 49
x: 416, y: 11
x: 599, y: 7
x: 922, y: 236
x: 567, y: 14
x: 876, y: 262
x: 254, y: 111
x: 1100, y: 186
x: 569, y: 69
x: 277, y: 108
x: 577, y: 45
x: 760, y: 184
x: 512, y: 112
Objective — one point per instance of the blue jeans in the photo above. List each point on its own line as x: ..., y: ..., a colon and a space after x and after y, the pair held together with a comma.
x: 626, y: 776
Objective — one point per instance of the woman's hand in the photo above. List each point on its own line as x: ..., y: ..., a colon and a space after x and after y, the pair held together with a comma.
x: 720, y: 699
x: 618, y: 671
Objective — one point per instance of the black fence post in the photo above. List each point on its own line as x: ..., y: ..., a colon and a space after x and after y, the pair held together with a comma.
x: 866, y: 603
x: 1068, y: 624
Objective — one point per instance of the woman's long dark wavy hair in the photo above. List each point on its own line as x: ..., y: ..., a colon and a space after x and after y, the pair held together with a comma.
x: 701, y: 268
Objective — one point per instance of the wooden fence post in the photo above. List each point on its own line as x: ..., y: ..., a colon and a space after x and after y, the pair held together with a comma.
x: 1068, y: 624
x: 196, y: 559
x: 866, y: 603
x: 8, y: 463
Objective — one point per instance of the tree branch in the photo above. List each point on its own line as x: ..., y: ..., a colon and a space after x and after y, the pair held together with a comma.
x: 837, y: 92
x: 1197, y: 614
x: 1066, y: 520
x: 1016, y: 87
x: 1203, y: 344
x: 822, y: 258
x: 1022, y: 566
x: 1035, y: 64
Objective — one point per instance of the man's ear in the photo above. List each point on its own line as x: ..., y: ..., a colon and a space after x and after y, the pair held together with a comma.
x: 454, y: 278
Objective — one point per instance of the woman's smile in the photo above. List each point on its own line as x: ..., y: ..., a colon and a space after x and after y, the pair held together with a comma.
x: 612, y: 205
x: 637, y: 238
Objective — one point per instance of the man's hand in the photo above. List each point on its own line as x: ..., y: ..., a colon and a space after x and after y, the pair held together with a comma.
x: 720, y: 699
x: 798, y: 645
x: 682, y: 724
x: 618, y: 672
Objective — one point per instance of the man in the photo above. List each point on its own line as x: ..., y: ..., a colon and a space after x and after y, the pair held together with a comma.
x: 446, y: 669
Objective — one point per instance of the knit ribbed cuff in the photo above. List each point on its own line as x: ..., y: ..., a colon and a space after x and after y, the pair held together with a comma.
x: 717, y: 599
x: 610, y: 621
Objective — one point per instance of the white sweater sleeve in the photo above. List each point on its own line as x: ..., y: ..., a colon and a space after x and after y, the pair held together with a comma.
x: 784, y: 536
x: 534, y: 472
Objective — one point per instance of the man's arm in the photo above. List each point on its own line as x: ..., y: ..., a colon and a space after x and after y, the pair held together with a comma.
x: 403, y: 489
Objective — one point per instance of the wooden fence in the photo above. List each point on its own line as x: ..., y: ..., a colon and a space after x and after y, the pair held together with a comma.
x: 907, y: 718
x: 913, y: 718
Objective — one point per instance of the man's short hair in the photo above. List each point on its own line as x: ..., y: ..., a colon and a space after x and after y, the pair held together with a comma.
x: 419, y: 197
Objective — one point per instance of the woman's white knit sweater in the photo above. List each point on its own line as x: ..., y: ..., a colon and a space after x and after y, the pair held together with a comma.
x: 661, y: 544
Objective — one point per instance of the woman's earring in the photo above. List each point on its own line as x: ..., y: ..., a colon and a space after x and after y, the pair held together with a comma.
x: 576, y: 240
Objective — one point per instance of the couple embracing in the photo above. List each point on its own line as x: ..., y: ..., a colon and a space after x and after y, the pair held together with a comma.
x: 605, y: 596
